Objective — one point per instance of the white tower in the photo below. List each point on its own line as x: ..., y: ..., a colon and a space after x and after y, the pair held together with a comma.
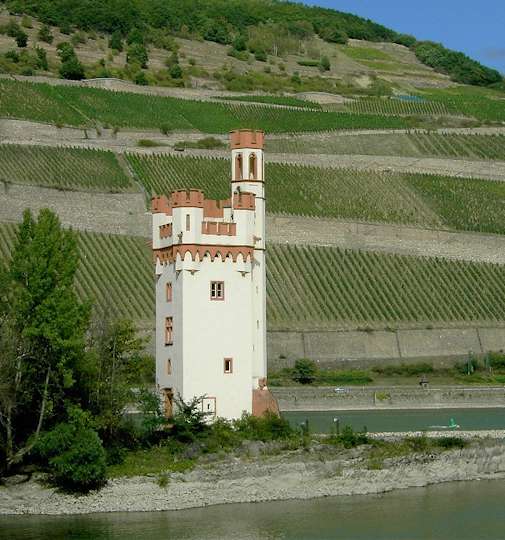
x: 210, y: 291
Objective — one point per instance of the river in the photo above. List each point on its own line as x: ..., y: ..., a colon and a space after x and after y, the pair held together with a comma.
x: 380, y: 420
x: 454, y: 511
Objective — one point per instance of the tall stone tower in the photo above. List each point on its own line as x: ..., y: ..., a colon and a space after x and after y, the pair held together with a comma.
x: 211, y: 288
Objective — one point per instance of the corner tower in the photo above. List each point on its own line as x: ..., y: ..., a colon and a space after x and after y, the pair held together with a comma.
x: 248, y: 176
x: 210, y: 290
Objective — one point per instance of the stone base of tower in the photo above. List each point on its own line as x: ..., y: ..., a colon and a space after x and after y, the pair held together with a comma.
x: 263, y: 401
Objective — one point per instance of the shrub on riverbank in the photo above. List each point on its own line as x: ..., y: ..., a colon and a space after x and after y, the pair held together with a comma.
x: 74, y: 454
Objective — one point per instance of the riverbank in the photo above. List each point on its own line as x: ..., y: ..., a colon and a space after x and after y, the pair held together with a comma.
x: 317, y: 471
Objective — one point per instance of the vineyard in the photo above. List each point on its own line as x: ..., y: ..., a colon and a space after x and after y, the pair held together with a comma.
x: 78, y: 106
x: 293, y: 189
x: 417, y: 199
x: 115, y: 272
x: 318, y: 287
x: 62, y: 168
x: 394, y: 106
x: 288, y: 101
x: 481, y: 103
x: 306, y: 287
x: 415, y: 144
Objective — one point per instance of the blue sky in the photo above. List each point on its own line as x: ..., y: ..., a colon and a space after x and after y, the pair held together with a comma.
x: 476, y: 27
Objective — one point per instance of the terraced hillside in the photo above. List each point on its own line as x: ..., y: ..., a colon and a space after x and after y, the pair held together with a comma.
x: 426, y: 200
x: 77, y: 106
x: 63, y: 168
x: 415, y: 144
x: 115, y: 272
x: 307, y: 287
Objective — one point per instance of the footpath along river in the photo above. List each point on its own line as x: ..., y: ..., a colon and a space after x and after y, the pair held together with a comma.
x: 453, y: 511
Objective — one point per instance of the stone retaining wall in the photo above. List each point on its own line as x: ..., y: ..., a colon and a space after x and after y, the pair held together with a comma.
x: 327, y: 399
x: 364, y: 349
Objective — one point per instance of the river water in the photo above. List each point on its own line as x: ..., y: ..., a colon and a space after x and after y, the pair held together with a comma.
x: 400, y: 419
x: 455, y: 511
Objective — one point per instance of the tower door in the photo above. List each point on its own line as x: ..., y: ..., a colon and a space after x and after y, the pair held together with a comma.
x: 168, y: 402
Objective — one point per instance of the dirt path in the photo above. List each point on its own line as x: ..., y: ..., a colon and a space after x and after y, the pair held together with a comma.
x: 98, y: 212
x: 386, y: 238
x: 31, y: 133
x: 126, y: 214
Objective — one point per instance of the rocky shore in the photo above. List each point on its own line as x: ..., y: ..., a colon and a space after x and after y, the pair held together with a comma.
x: 318, y: 471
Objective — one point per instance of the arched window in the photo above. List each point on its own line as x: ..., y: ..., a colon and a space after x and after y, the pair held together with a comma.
x: 238, y: 167
x: 253, y: 175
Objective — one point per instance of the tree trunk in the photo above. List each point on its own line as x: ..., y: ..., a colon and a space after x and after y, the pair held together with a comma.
x: 18, y: 456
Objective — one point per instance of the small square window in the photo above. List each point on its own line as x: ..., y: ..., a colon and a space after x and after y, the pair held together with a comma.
x: 228, y: 365
x: 169, y: 291
x: 168, y: 331
x: 217, y: 290
x: 169, y: 367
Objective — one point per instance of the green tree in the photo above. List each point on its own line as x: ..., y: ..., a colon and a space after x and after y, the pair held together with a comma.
x: 42, y: 331
x: 114, y: 366
x: 65, y: 50
x: 175, y: 71
x: 137, y: 54
x: 140, y: 79
x: 324, y: 64
x: 72, y: 69
x: 240, y: 43
x: 45, y: 34
x: 136, y: 36
x: 22, y: 39
x: 42, y: 58
x: 116, y: 41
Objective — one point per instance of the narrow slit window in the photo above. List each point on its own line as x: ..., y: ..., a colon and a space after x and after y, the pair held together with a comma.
x: 252, y: 167
x: 169, y: 367
x: 188, y: 222
x: 217, y: 290
x: 228, y: 365
x: 169, y: 291
x: 238, y: 167
x: 168, y: 331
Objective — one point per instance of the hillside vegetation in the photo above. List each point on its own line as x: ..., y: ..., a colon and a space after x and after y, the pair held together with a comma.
x: 426, y: 200
x: 260, y: 27
x: 306, y: 287
x: 76, y: 106
x: 415, y: 144
x: 62, y: 168
x: 115, y: 271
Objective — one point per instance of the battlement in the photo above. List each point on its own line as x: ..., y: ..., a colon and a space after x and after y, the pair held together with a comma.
x: 247, y: 138
x: 194, y: 198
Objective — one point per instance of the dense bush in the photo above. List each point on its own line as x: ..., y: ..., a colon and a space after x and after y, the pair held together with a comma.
x: 404, y: 369
x: 304, y: 371
x: 496, y: 360
x: 349, y: 438
x: 74, y: 453
x: 457, y: 65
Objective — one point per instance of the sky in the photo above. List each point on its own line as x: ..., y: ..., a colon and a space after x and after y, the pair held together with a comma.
x: 475, y: 27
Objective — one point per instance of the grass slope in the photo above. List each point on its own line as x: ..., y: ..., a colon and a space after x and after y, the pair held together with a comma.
x: 306, y: 287
x: 63, y: 168
x: 77, y: 106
